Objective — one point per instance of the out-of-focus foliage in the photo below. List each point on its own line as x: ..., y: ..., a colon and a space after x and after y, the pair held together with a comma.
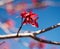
x: 5, y: 45
x: 38, y: 45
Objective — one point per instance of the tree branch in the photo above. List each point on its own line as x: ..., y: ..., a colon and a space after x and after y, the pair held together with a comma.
x: 33, y: 35
x: 8, y: 36
x: 47, y: 29
x: 46, y: 41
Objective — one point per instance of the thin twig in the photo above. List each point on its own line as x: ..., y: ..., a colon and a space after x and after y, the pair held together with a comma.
x: 20, y: 26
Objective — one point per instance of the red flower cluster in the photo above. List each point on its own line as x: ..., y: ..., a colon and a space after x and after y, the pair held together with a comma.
x: 30, y: 18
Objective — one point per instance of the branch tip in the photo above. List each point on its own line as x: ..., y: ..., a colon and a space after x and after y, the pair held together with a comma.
x: 58, y: 24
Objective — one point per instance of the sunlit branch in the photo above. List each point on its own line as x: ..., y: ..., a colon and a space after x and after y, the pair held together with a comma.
x: 32, y: 35
x: 9, y: 36
x: 47, y: 29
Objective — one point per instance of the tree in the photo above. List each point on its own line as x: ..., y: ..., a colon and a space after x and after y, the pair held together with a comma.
x: 27, y: 17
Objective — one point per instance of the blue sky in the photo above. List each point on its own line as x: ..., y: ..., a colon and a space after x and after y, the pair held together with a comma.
x: 47, y: 17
